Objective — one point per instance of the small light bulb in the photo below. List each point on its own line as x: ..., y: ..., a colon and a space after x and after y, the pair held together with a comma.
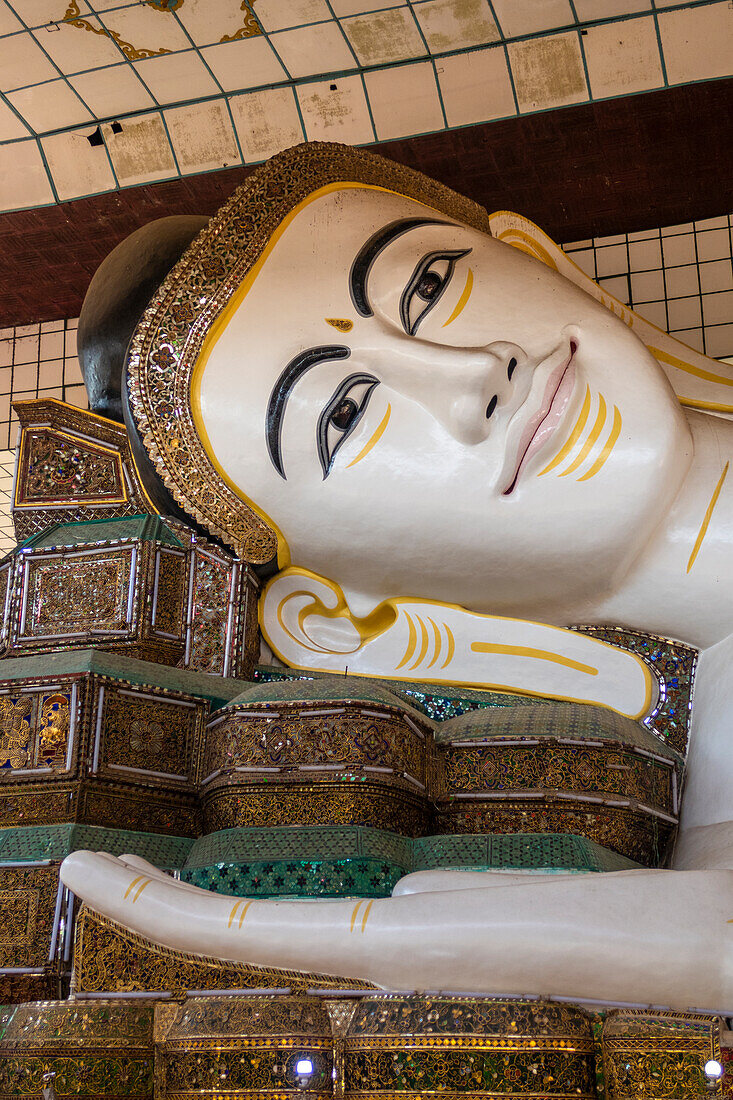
x: 713, y: 1070
x: 304, y: 1067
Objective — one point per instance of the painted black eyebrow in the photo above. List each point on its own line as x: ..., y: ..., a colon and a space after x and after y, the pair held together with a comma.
x: 282, y: 389
x: 368, y: 253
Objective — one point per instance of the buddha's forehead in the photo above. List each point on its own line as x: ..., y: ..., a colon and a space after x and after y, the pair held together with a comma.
x: 301, y: 284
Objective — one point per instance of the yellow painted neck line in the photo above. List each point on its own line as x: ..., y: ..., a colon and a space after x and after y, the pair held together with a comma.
x: 610, y: 443
x: 707, y: 517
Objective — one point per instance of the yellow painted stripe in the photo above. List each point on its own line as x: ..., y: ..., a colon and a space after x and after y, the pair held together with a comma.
x: 140, y: 889
x: 572, y: 438
x: 592, y: 437
x: 244, y: 913
x: 132, y: 886
x: 353, y: 915
x: 411, y: 641
x: 424, y: 639
x: 438, y: 641
x: 461, y: 303
x: 366, y: 915
x: 451, y: 646
x: 708, y: 516
x: 379, y: 432
x: 607, y: 448
x: 233, y: 913
x: 538, y: 654
x: 698, y: 372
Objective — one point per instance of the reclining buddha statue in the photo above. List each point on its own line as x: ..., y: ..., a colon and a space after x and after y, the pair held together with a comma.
x: 447, y: 446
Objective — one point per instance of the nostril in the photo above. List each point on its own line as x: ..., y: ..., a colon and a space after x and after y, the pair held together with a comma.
x: 491, y: 406
x: 511, y: 367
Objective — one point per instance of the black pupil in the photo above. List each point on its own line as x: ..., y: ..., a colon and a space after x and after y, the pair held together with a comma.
x: 429, y: 285
x: 343, y: 415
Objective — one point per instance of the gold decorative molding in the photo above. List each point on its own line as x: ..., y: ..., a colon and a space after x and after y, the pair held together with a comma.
x: 132, y: 53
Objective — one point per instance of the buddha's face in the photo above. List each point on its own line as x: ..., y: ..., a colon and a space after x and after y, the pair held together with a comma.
x: 474, y: 429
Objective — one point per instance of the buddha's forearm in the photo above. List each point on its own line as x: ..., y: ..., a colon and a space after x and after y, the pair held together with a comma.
x: 647, y: 937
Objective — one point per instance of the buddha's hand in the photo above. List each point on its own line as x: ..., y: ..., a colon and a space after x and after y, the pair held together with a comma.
x: 307, y: 622
x: 645, y: 937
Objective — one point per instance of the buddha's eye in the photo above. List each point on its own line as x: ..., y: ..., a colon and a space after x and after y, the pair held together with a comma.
x: 341, y: 415
x: 426, y: 286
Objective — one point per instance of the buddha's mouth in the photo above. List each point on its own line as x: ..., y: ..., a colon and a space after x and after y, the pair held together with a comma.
x: 546, y: 419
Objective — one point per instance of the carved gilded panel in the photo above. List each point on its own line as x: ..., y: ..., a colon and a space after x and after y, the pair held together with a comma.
x: 27, y: 910
x: 345, y: 801
x: 74, y: 594
x: 146, y: 733
x: 209, y: 612
x: 169, y: 594
x: 37, y: 731
x: 549, y: 766
x: 658, y: 1055
x: 55, y: 468
x: 374, y: 740
x: 109, y: 958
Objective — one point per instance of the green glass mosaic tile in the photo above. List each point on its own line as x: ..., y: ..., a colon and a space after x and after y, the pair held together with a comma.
x: 146, y: 527
x: 336, y: 878
x: 309, y: 842
x: 30, y: 843
x: 551, y: 852
x: 357, y: 861
x: 71, y: 662
x: 573, y: 720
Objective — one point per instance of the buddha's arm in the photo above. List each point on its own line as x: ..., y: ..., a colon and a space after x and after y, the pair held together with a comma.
x: 648, y: 937
x: 308, y: 624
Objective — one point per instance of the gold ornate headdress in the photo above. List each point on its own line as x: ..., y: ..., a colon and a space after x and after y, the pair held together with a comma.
x: 167, y: 341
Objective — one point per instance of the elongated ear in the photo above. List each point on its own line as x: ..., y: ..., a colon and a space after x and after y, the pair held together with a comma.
x: 307, y: 622
x: 698, y: 381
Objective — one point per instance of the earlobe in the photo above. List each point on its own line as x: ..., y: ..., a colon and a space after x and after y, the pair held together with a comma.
x: 308, y: 624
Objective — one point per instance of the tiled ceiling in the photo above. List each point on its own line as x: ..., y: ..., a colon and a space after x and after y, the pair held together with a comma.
x: 99, y: 95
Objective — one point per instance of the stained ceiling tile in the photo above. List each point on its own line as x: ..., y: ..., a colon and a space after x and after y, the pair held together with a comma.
x: 75, y: 48
x: 11, y: 126
x: 50, y: 106
x: 112, y: 91
x: 588, y: 10
x: 475, y: 86
x: 455, y: 24
x: 77, y: 167
x: 344, y: 8
x: 277, y: 15
x: 623, y: 57
x: 210, y: 21
x: 22, y: 62
x: 308, y: 51
x: 404, y: 100
x: 384, y: 37
x: 23, y: 179
x: 9, y: 23
x: 266, y: 122
x: 176, y: 77
x: 140, y: 153
x: 518, y: 17
x: 36, y: 13
x: 202, y: 136
x: 548, y: 72
x: 336, y: 110
x: 697, y: 42
x: 246, y: 63
x: 145, y: 30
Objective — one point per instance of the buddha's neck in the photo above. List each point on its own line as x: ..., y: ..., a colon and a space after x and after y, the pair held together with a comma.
x: 682, y: 585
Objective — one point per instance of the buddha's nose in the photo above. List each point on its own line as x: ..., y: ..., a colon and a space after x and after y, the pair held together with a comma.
x: 490, y: 392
